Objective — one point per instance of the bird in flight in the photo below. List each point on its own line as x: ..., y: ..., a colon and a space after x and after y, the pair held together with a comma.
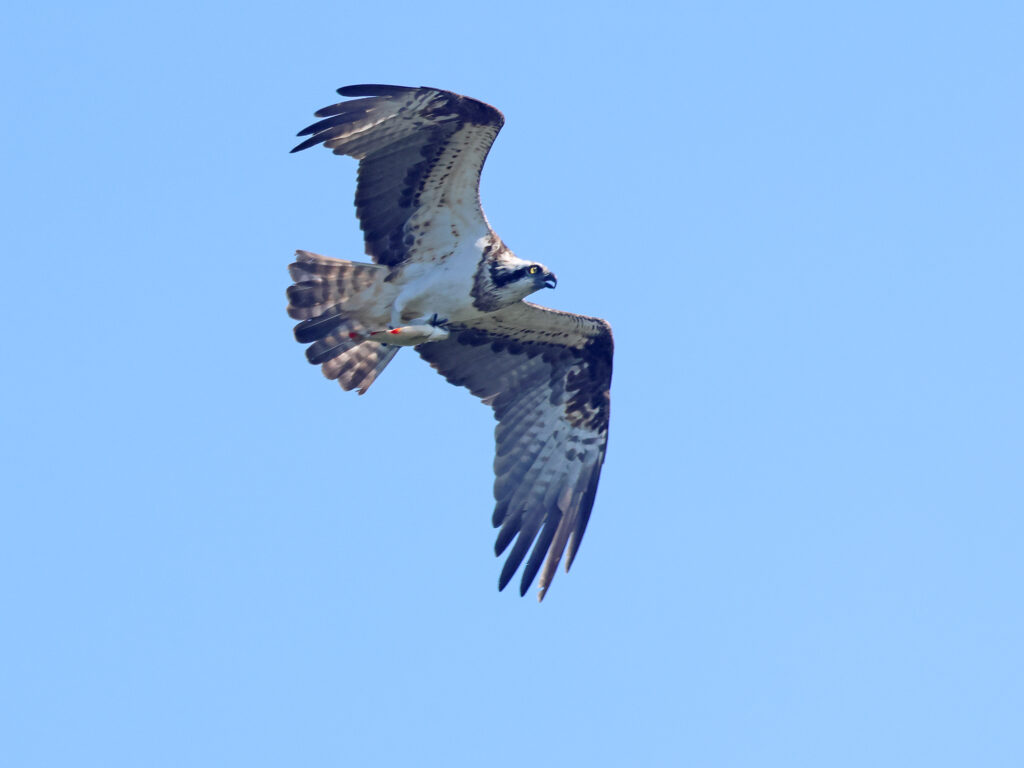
x: 444, y: 283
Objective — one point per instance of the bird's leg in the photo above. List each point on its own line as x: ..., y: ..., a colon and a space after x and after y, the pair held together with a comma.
x: 396, y: 313
x: 419, y: 331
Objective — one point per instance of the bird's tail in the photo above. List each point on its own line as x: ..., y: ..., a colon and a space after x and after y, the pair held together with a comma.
x: 337, y: 340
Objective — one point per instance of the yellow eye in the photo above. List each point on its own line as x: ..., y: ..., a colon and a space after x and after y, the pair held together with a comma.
x: 534, y: 269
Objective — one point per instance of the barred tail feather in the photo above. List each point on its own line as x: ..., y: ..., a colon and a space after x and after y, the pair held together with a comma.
x: 336, y: 339
x: 359, y: 365
x: 322, y: 282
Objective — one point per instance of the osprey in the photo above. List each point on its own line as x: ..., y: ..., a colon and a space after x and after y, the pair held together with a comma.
x: 444, y: 282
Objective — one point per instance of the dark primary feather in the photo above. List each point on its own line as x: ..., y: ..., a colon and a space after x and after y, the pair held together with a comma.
x: 547, y: 375
x: 372, y: 89
x: 408, y: 141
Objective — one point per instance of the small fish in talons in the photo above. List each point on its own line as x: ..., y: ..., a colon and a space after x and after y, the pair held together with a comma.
x: 409, y: 335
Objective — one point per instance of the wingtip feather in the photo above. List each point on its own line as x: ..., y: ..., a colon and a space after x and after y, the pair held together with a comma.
x: 373, y: 89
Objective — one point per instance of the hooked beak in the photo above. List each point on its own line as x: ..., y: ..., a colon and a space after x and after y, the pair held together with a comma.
x: 550, y: 281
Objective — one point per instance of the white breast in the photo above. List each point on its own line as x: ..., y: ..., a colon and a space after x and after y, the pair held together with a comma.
x: 440, y: 283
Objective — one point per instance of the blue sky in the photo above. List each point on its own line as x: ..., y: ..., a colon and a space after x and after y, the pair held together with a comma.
x: 803, y: 222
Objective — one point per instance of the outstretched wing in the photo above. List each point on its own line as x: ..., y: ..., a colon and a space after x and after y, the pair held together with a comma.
x: 420, y: 151
x: 547, y: 375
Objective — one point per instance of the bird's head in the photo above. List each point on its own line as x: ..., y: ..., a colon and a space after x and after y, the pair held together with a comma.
x: 541, y: 275
x: 513, y: 279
